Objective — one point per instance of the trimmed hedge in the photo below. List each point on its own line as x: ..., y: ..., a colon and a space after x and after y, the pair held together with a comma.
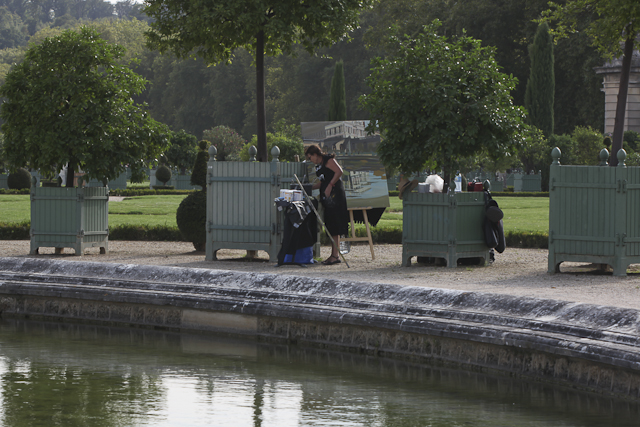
x: 163, y: 233
x: 116, y: 192
x: 527, y: 240
x: 23, y: 191
x: 159, y: 233
x: 147, y: 192
x: 15, y: 230
x: 395, y: 193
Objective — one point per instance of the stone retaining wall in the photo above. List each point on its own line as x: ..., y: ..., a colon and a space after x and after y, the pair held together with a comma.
x: 584, y: 346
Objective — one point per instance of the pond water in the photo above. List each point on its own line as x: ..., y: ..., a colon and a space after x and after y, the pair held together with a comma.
x: 77, y: 375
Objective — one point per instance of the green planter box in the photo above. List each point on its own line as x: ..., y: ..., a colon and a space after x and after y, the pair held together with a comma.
x: 120, y: 183
x: 593, y: 214
x: 527, y: 183
x: 497, y: 186
x: 182, y: 182
x: 64, y: 217
x: 447, y: 226
x: 241, y: 213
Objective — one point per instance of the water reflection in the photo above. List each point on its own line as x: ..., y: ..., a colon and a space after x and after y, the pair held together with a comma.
x: 76, y: 375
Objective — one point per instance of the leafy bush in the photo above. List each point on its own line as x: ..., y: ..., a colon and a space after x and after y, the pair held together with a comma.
x: 633, y: 159
x: 632, y: 139
x: 191, y: 217
x: 163, y: 174
x: 226, y: 140
x: 19, y: 179
x: 182, y: 151
x: 288, y: 146
x: 567, y: 147
x: 588, y: 144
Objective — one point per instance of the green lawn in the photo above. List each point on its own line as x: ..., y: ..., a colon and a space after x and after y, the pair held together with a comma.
x: 14, y: 208
x: 145, y: 210
x: 522, y: 214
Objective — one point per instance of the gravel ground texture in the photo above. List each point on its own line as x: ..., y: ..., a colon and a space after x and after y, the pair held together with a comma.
x: 518, y: 272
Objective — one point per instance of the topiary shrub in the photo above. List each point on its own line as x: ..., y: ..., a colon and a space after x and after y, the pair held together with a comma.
x: 19, y: 179
x: 163, y: 174
x: 199, y: 172
x: 192, y: 218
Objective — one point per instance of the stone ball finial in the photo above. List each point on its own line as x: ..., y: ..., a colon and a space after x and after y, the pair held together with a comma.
x: 212, y: 153
x: 622, y: 155
x: 275, y: 153
x: 604, y: 157
x: 253, y: 151
x: 555, y: 155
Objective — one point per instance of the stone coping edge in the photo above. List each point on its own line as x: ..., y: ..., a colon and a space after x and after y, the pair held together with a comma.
x: 601, y: 334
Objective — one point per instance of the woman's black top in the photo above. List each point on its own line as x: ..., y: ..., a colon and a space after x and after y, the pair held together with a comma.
x: 336, y: 217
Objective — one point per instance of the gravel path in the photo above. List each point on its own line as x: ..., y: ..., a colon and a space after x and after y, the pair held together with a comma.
x: 519, y: 272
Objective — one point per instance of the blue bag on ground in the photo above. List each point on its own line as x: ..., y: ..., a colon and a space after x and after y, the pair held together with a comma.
x: 303, y: 256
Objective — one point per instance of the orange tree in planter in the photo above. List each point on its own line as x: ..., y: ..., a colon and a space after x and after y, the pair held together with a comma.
x: 438, y: 101
x: 70, y: 102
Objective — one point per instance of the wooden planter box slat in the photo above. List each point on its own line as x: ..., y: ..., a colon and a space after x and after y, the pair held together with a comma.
x: 447, y: 226
x: 120, y: 183
x: 182, y: 182
x: 75, y: 218
x: 241, y: 213
x: 527, y: 183
x: 593, y: 216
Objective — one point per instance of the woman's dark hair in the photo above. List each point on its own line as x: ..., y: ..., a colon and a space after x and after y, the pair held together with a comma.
x: 314, y: 149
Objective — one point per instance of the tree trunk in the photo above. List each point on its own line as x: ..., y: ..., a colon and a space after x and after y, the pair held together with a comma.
x: 446, y: 175
x: 618, y: 128
x: 71, y: 171
x: 260, y: 98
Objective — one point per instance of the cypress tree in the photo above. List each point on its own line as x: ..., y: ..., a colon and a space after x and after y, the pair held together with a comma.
x: 540, y: 90
x: 338, y: 99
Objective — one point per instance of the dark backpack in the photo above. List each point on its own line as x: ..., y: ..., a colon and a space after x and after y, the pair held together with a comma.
x: 492, y: 225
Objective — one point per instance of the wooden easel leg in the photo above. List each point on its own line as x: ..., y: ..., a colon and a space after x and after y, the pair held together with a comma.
x: 366, y: 224
x: 353, y: 225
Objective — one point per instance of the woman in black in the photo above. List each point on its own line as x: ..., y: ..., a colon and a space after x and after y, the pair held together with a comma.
x: 333, y: 197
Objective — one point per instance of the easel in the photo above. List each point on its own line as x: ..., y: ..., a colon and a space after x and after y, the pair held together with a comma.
x: 353, y: 237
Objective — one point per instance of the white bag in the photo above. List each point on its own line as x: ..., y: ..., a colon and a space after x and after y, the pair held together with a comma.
x: 436, y: 184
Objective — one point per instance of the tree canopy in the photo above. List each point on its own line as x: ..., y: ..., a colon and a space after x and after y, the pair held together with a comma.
x: 69, y: 102
x: 613, y: 26
x: 182, y: 150
x: 213, y: 30
x: 437, y: 101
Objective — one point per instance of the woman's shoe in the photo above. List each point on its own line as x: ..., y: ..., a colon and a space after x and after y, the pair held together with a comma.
x: 331, y: 260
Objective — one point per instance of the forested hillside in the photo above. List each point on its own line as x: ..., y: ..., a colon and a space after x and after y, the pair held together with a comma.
x: 189, y: 95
